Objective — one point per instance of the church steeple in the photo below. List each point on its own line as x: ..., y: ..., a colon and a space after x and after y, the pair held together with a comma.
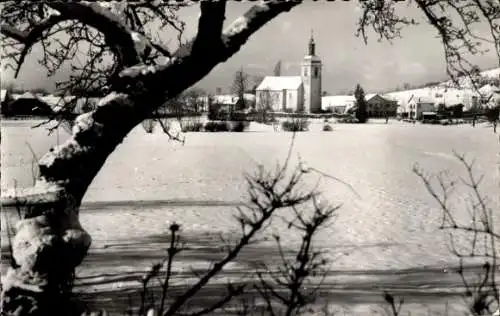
x: 312, y: 45
x: 311, y: 79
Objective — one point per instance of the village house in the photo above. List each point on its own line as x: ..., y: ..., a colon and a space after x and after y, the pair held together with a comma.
x: 380, y: 106
x: 293, y: 93
x: 420, y: 106
x: 376, y: 104
x: 229, y: 102
x: 25, y: 104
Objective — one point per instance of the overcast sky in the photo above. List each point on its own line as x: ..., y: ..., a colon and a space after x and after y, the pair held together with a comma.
x: 416, y: 58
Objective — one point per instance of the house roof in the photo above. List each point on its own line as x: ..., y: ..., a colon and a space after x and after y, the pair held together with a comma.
x: 280, y: 83
x: 56, y: 102
x: 370, y: 96
x: 337, y: 100
x: 231, y: 98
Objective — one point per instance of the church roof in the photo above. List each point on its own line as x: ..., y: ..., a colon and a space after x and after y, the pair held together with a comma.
x: 280, y: 83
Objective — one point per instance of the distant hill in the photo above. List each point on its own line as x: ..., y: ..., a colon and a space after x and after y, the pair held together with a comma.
x: 447, y: 93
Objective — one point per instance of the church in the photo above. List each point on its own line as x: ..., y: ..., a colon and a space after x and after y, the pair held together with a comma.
x: 293, y: 93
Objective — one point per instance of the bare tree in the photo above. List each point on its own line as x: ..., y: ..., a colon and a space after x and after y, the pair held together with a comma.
x: 264, y: 104
x: 128, y: 62
x: 240, y: 87
x: 300, y: 275
x: 194, y: 99
x: 256, y: 80
x: 269, y: 192
x: 454, y: 21
x: 475, y: 237
x: 51, y: 242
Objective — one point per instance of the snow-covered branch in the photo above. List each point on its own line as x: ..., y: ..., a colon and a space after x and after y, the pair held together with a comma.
x: 129, y: 45
x: 31, y: 37
x: 198, y: 64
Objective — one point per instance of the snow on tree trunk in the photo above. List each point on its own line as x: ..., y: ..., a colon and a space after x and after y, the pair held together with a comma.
x: 50, y: 242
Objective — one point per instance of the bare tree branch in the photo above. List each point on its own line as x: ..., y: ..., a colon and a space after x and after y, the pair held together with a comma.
x: 454, y: 21
x: 483, y: 293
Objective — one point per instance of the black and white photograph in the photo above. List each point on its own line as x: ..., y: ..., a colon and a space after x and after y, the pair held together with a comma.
x: 269, y: 157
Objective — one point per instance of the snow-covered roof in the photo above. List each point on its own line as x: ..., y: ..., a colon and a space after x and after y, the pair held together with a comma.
x: 231, y: 98
x: 370, y: 96
x: 225, y: 99
x: 249, y: 96
x: 56, y: 102
x: 274, y: 83
x: 449, y: 95
x: 337, y: 100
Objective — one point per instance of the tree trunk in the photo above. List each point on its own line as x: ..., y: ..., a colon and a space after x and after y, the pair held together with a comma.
x: 50, y: 242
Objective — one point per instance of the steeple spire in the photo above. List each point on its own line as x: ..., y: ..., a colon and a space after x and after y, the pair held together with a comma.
x: 312, y: 45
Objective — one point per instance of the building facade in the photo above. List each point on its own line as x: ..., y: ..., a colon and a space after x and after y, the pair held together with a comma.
x: 379, y: 106
x: 293, y: 93
x: 418, y: 105
x: 311, y: 79
x: 280, y: 94
x: 376, y: 105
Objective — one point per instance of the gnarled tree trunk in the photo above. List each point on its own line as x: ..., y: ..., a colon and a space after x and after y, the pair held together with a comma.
x: 50, y: 241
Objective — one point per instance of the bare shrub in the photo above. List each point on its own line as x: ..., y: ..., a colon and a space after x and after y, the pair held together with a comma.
x: 191, y: 125
x: 327, y: 128
x: 478, y: 231
x: 295, y: 125
x: 297, y: 275
x: 268, y: 192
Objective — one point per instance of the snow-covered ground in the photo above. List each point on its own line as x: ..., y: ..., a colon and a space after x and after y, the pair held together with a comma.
x: 389, y: 223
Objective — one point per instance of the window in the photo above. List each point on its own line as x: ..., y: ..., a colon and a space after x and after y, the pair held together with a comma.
x: 305, y: 72
x: 316, y: 72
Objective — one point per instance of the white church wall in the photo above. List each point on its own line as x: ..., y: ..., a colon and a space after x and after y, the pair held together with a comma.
x: 269, y: 98
x: 292, y: 100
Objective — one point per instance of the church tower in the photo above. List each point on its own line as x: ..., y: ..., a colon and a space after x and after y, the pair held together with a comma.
x: 311, y: 79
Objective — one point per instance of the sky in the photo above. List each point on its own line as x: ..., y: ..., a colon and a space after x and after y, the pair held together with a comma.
x: 416, y: 58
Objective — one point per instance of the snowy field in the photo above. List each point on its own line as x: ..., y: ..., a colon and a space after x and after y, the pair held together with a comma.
x: 389, y: 223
